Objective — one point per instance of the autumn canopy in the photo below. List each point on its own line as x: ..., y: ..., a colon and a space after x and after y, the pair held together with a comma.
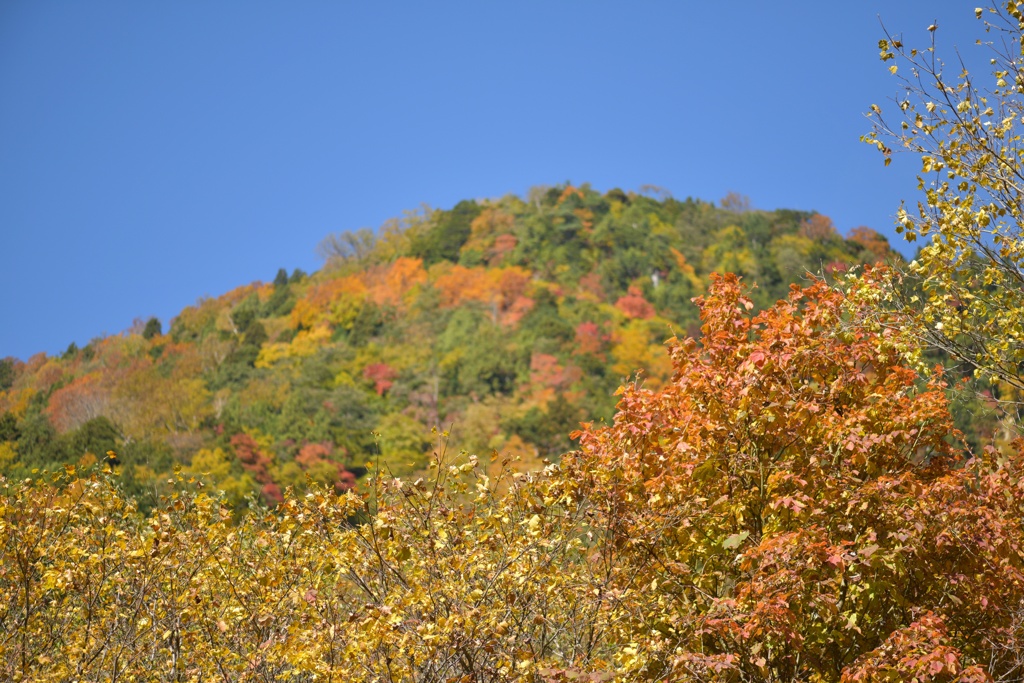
x: 791, y: 506
x: 788, y: 499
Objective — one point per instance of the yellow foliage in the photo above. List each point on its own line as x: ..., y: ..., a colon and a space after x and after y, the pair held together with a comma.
x: 447, y: 577
x: 15, y: 400
x: 337, y: 301
x: 967, y: 130
x: 730, y: 253
x: 8, y: 454
x: 211, y: 462
x: 305, y: 344
x: 146, y: 405
x: 489, y: 224
x: 308, y: 342
x: 634, y: 350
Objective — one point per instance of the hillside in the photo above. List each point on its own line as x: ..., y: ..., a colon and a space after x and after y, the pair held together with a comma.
x: 506, y: 322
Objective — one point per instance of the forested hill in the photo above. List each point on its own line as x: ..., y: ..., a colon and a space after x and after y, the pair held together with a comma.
x: 506, y: 321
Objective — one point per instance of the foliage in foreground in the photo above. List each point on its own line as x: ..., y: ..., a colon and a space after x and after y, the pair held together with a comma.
x: 790, y: 506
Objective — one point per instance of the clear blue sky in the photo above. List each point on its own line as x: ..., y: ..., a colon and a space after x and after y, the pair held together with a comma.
x: 152, y: 153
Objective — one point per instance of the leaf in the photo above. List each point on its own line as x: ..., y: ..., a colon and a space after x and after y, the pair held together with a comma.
x: 735, y: 540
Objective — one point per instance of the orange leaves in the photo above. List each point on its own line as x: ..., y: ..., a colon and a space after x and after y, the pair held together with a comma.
x: 872, y: 242
x: 74, y: 404
x: 460, y: 284
x: 818, y: 228
x: 797, y: 463
x: 392, y: 284
x: 634, y: 305
x: 504, y: 289
x: 789, y: 506
x: 319, y: 463
x: 548, y: 378
x: 503, y: 246
x: 338, y: 301
x: 568, y: 193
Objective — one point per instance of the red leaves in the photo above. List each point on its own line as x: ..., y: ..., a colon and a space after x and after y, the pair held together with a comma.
x: 253, y: 460
x: 382, y: 375
x: 547, y: 372
x: 590, y: 339
x: 319, y: 461
x: 919, y: 652
x: 634, y: 305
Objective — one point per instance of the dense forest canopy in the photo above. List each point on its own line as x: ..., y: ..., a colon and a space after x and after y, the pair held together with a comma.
x: 789, y: 506
x: 267, y: 490
x: 504, y: 322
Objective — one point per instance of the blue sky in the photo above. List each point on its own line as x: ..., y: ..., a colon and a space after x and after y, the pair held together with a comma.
x: 153, y: 153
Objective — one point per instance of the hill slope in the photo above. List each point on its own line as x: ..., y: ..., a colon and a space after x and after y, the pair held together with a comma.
x: 506, y: 321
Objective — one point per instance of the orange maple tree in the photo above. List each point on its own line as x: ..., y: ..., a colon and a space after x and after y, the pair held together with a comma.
x: 796, y: 505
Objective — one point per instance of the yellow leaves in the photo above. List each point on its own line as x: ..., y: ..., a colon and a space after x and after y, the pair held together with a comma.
x: 8, y: 454
x: 885, y: 54
x: 978, y: 206
x: 305, y: 344
x: 637, y: 348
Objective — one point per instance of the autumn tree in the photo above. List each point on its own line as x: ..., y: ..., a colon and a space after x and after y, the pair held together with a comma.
x: 79, y: 401
x: 791, y: 507
x: 965, y: 127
